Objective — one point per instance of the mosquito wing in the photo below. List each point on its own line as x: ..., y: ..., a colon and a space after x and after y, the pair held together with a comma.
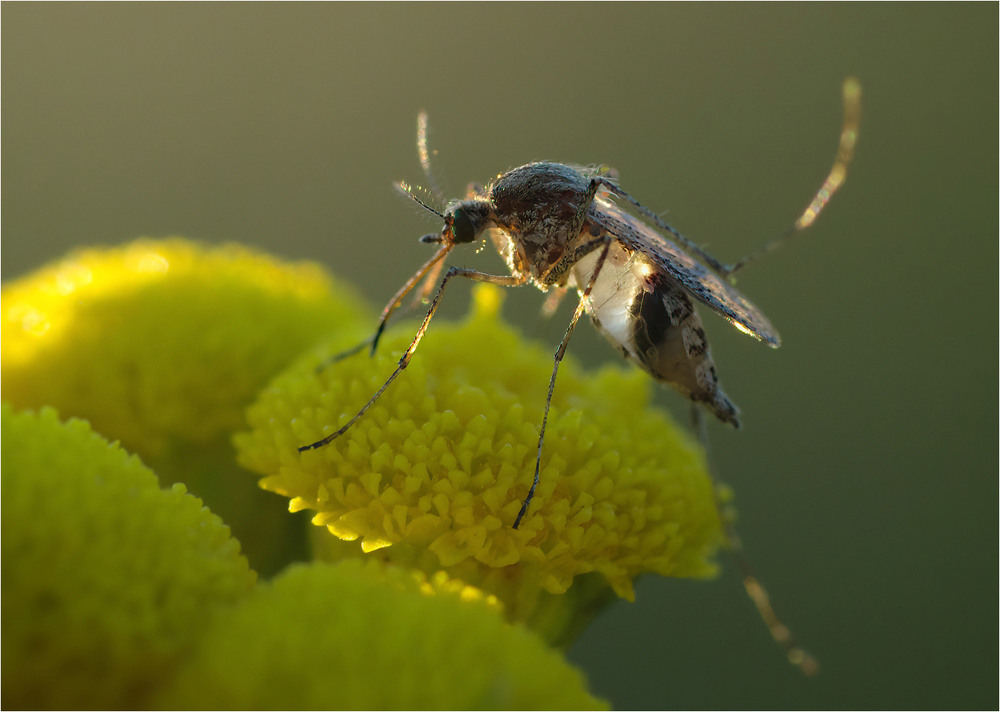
x: 699, y: 281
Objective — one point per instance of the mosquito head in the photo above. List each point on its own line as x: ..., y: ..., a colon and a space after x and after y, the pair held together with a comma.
x: 465, y: 221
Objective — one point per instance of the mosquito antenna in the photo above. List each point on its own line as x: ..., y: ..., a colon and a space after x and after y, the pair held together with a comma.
x: 412, y: 192
x: 835, y: 179
x: 425, y: 156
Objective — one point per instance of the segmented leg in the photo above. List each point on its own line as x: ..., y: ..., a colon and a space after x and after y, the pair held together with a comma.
x: 758, y: 594
x: 553, y: 300
x: 834, y: 179
x: 568, y: 260
x: 588, y: 199
x: 428, y: 266
x: 501, y: 280
x: 560, y: 352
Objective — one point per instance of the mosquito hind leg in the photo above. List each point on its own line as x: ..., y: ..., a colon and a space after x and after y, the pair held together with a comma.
x: 757, y: 593
x: 834, y: 179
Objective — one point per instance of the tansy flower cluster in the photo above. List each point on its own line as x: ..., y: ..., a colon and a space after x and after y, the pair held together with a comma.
x: 419, y: 593
x: 161, y: 344
x: 107, y: 579
x: 434, y: 474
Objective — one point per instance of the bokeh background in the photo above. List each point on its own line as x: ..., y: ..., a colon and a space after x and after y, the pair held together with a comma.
x: 866, y: 472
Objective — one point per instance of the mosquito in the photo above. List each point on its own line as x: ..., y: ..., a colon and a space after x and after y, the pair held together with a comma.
x: 562, y: 227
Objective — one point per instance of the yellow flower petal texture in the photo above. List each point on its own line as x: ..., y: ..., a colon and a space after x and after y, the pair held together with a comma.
x: 161, y: 344
x: 355, y: 635
x: 161, y: 341
x: 107, y: 579
x: 434, y: 474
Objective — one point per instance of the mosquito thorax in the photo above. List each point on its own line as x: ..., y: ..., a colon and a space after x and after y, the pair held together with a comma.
x: 537, y: 192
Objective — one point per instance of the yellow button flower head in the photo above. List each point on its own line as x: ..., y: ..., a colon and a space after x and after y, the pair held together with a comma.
x: 108, y: 580
x: 353, y: 635
x: 161, y: 344
x: 434, y: 474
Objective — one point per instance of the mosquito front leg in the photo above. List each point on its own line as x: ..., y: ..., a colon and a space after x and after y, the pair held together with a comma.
x: 560, y: 352
x: 429, y: 265
x: 431, y: 268
x: 501, y: 280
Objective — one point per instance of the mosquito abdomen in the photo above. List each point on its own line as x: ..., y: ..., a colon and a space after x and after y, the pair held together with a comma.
x: 669, y: 342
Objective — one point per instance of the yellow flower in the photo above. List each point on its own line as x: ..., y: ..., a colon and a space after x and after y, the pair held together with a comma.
x: 161, y: 344
x: 107, y: 579
x: 161, y: 340
x: 434, y: 474
x: 355, y: 635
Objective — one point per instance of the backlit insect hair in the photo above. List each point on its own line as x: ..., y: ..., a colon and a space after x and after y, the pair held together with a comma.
x: 561, y: 227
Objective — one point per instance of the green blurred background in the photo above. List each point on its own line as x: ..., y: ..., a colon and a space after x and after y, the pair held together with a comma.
x: 865, y: 471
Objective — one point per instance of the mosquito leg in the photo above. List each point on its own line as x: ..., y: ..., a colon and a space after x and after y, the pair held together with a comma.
x: 429, y: 265
x: 372, y: 341
x: 835, y: 179
x: 566, y: 262
x: 502, y: 280
x: 424, y: 293
x: 556, y: 272
x: 758, y: 594
x: 432, y: 269
x: 552, y: 301
x: 560, y: 352
x: 346, y: 353
x: 588, y: 199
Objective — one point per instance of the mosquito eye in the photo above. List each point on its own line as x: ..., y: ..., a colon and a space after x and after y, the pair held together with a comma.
x: 461, y: 227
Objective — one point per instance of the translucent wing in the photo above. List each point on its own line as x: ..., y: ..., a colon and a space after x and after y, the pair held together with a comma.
x: 699, y: 281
